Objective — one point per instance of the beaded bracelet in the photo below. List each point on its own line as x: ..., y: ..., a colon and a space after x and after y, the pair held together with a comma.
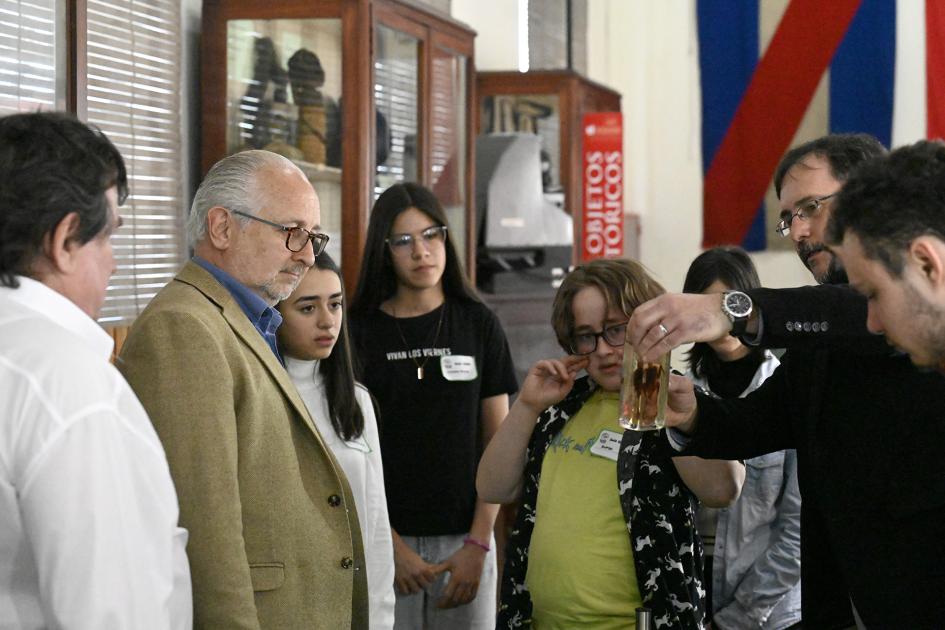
x: 469, y: 540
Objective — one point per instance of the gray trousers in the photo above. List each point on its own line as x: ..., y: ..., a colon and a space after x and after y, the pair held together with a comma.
x: 419, y: 611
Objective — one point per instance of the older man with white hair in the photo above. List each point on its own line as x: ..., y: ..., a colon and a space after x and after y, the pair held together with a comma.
x: 275, y: 541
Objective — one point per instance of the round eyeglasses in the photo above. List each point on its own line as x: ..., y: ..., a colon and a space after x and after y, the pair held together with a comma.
x: 586, y: 343
x: 806, y: 211
x: 296, y: 237
x: 402, y: 244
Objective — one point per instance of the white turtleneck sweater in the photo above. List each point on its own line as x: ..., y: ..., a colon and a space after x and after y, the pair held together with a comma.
x: 361, y: 460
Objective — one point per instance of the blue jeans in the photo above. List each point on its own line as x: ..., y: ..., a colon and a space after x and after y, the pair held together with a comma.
x: 419, y: 611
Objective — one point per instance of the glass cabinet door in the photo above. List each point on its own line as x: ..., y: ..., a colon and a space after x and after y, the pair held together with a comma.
x: 396, y: 100
x: 448, y: 140
x: 284, y: 95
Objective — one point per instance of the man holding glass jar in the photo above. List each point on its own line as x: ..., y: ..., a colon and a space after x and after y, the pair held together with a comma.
x: 858, y: 414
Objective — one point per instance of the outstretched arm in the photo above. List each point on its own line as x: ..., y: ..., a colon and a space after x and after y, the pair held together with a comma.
x: 825, y: 315
x: 672, y: 319
x: 716, y: 482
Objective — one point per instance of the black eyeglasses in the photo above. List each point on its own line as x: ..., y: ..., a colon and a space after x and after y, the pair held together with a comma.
x: 804, y: 212
x: 296, y: 237
x: 403, y: 243
x: 586, y: 343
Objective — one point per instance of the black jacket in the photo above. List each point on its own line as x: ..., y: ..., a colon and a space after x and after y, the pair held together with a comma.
x: 869, y: 429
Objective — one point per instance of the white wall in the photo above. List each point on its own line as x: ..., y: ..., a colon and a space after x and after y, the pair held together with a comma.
x: 496, y: 23
x: 648, y: 52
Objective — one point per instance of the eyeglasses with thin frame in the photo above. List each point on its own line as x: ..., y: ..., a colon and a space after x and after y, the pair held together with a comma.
x: 296, y: 237
x: 586, y: 343
x: 804, y: 212
x: 402, y: 244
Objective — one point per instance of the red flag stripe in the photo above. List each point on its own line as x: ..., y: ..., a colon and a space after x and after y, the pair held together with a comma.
x: 769, y: 114
x: 935, y: 67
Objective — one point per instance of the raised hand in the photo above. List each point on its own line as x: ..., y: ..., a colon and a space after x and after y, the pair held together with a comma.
x: 549, y: 381
x: 672, y: 319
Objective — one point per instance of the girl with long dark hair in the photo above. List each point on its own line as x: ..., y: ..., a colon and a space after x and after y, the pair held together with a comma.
x: 313, y: 339
x: 752, y: 568
x: 438, y: 363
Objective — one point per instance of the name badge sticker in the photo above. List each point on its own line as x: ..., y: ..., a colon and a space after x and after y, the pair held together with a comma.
x: 607, y: 444
x: 458, y: 367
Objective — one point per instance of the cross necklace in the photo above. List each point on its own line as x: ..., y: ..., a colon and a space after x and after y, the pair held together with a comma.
x: 436, y: 335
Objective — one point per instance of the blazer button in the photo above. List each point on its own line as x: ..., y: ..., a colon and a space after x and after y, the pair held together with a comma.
x: 824, y: 326
x: 806, y: 326
x: 347, y: 563
x: 334, y: 500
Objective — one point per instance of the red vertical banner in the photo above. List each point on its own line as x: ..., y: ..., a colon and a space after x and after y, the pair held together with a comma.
x: 935, y: 68
x: 602, y: 212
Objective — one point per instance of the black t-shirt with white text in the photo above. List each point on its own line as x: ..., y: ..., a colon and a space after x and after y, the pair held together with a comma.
x: 430, y: 427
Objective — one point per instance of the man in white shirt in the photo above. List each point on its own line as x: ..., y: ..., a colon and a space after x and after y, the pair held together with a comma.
x: 88, y: 511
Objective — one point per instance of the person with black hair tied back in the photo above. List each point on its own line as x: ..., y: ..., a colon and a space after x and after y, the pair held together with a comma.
x: 439, y: 364
x: 753, y: 547
x: 313, y: 340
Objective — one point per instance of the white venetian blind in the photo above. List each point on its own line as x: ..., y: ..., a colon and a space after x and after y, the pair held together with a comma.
x: 133, y: 95
x: 28, y: 56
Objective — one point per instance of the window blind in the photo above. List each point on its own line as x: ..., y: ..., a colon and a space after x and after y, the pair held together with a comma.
x: 29, y: 54
x: 133, y: 95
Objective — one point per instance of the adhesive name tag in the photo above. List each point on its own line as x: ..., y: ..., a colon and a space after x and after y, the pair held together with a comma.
x: 607, y: 444
x: 458, y: 367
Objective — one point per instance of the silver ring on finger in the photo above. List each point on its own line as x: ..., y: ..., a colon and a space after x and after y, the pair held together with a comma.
x: 663, y: 329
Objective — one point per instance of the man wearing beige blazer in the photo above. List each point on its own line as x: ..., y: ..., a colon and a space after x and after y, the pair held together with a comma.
x: 274, y: 536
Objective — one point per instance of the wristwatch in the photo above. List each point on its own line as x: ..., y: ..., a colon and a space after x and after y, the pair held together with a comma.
x: 737, y: 307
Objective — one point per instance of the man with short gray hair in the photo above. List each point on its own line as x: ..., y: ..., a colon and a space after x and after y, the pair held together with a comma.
x: 275, y: 541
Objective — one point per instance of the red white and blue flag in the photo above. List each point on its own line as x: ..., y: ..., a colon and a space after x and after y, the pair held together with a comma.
x: 755, y: 97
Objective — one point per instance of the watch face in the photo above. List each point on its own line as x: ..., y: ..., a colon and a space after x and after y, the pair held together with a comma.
x: 738, y: 304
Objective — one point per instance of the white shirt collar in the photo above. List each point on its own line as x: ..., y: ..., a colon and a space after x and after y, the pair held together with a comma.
x: 60, y: 310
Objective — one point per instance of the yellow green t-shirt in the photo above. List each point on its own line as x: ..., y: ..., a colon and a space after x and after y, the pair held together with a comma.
x: 580, y: 560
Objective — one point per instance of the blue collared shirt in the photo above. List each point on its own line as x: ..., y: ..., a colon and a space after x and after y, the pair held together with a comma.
x: 263, y: 317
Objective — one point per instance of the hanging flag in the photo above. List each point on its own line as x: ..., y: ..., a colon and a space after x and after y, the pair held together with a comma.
x: 935, y: 67
x: 757, y: 95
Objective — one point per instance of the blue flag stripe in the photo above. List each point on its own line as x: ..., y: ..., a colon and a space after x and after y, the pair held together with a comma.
x: 862, y: 74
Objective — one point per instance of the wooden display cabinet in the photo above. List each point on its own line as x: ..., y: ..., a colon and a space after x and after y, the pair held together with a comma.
x: 551, y: 103
x: 359, y: 93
